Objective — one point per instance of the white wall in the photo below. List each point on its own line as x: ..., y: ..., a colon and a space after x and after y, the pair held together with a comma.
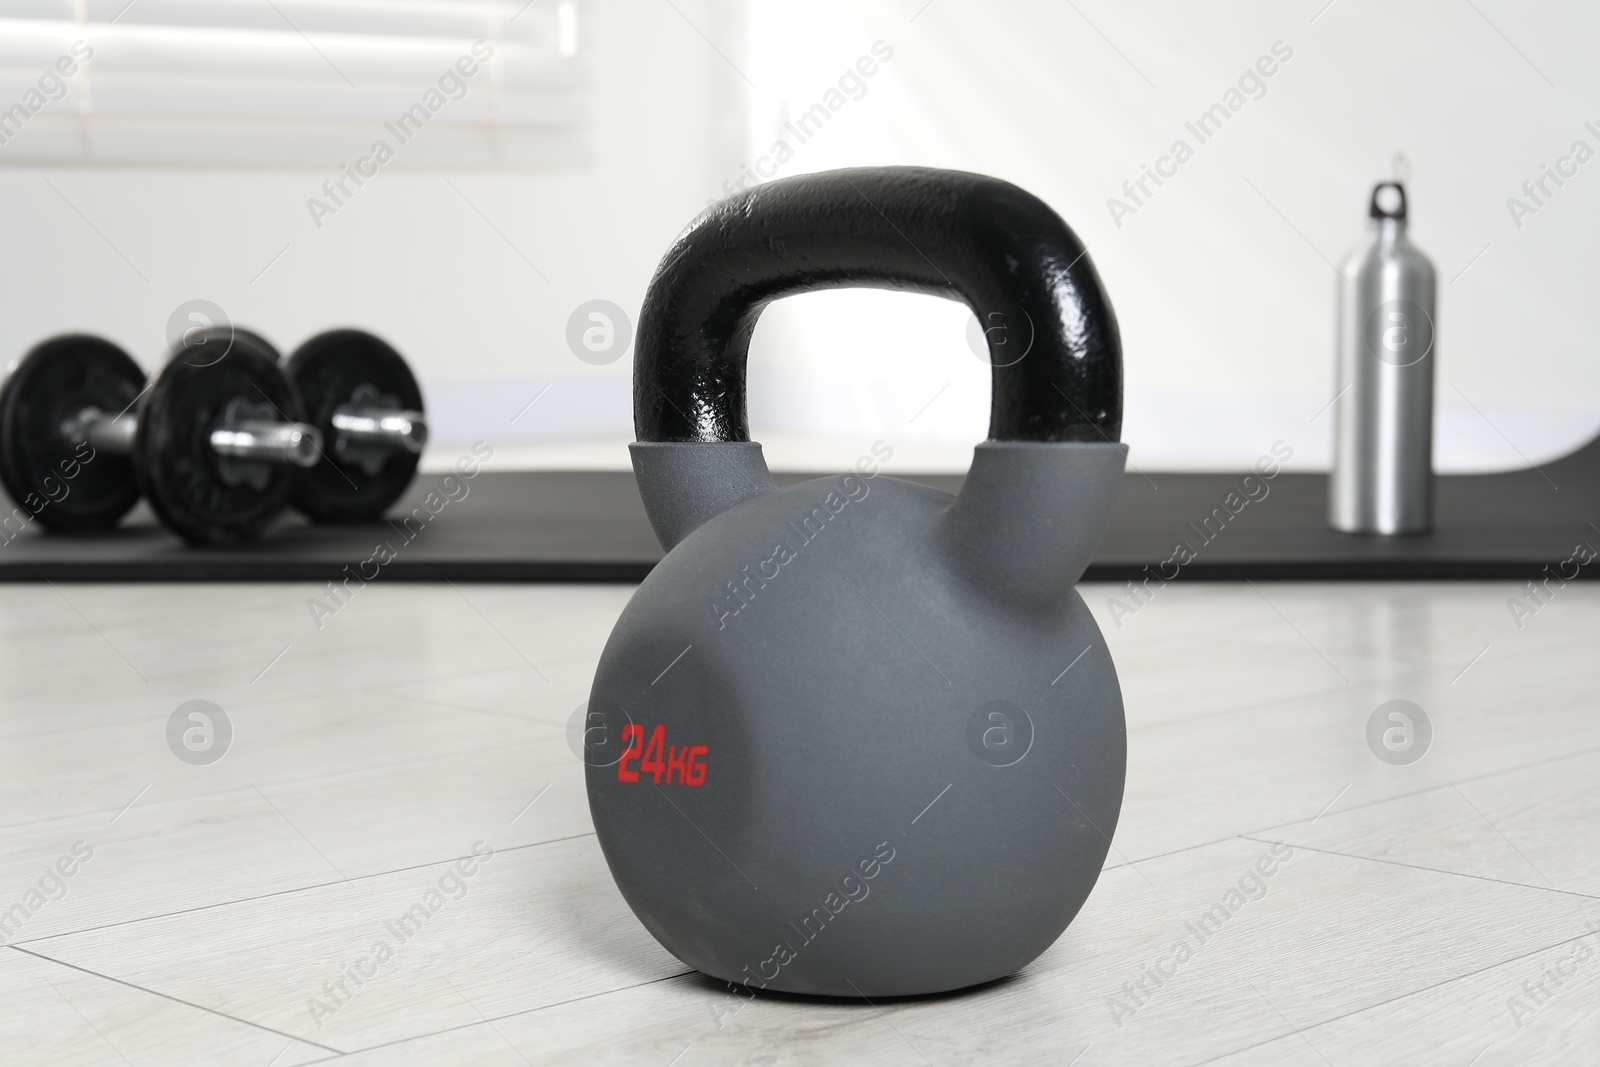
x: 1221, y: 281
x: 461, y: 297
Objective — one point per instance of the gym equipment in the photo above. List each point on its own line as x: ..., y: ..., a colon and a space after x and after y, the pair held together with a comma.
x: 64, y: 484
x: 210, y: 445
x: 1382, y: 481
x: 216, y: 438
x: 363, y: 398
x: 215, y: 467
x: 873, y: 741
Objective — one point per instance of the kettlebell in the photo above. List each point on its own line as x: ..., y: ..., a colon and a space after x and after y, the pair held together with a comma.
x: 857, y: 737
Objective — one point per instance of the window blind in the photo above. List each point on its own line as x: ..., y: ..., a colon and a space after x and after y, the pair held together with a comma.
x: 293, y: 83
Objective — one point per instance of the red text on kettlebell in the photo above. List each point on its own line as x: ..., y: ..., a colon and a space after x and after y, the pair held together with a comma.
x: 685, y: 759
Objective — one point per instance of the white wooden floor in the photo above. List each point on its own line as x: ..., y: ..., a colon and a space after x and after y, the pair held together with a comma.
x: 1446, y: 911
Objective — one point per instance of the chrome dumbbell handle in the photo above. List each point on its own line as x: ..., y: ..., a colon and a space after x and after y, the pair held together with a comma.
x: 366, y: 427
x: 106, y: 433
x: 298, y: 443
x: 256, y: 440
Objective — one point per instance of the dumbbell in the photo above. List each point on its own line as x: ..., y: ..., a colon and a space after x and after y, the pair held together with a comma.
x: 213, y: 443
x: 219, y: 443
x: 363, y: 398
x: 68, y: 486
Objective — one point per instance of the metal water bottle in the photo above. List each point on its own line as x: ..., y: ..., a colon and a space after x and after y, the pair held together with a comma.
x: 1382, y: 480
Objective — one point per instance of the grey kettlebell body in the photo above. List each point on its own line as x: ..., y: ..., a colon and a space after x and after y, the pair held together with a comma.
x: 856, y: 736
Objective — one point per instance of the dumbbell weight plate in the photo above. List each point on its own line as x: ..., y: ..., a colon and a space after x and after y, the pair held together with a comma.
x: 209, y: 344
x: 67, y: 486
x: 184, y: 479
x: 327, y: 370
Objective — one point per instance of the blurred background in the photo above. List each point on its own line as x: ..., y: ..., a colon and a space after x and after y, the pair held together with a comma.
x: 203, y: 152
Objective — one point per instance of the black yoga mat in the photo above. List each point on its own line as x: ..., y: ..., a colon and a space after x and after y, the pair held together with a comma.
x: 587, y: 526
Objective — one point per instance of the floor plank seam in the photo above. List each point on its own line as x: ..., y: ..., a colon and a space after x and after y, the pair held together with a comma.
x: 1418, y: 668
x: 1402, y: 996
x: 288, y: 892
x: 526, y: 1011
x: 500, y: 747
x: 513, y: 716
x: 175, y: 1000
x: 1262, y: 706
x: 359, y: 687
x: 1356, y: 807
x: 1429, y: 870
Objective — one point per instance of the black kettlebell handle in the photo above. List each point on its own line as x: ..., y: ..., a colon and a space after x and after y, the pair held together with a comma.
x: 980, y: 240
